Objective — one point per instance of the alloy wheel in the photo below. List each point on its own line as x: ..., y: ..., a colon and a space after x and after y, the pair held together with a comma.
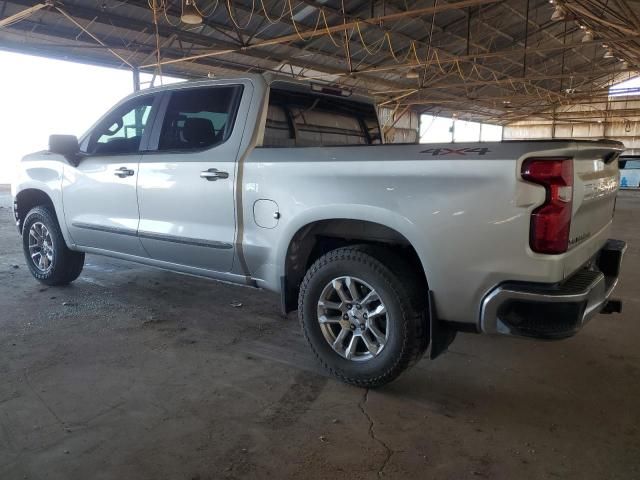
x: 41, y: 247
x: 353, y: 318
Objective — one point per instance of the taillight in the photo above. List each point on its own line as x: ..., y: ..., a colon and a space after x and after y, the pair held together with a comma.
x: 550, y: 222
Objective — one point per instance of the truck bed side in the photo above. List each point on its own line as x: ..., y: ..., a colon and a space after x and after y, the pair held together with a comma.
x: 464, y: 208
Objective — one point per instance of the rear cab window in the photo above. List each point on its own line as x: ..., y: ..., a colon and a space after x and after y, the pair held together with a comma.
x: 309, y: 119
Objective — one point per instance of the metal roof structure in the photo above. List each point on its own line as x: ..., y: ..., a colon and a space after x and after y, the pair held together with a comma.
x: 491, y: 60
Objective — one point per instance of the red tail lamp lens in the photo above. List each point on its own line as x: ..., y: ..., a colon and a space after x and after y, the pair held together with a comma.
x: 551, y: 222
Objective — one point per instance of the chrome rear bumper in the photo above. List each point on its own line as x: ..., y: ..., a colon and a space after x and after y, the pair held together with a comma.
x: 554, y: 310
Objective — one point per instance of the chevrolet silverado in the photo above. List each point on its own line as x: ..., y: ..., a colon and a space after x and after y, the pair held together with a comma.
x: 384, y: 250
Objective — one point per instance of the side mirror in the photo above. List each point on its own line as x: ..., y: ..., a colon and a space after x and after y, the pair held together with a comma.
x: 67, y: 146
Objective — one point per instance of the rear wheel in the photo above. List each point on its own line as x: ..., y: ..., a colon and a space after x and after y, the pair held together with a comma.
x: 45, y: 251
x: 363, y: 313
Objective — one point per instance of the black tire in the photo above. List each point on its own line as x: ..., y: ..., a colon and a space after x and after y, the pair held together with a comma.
x: 66, y: 265
x: 400, y: 289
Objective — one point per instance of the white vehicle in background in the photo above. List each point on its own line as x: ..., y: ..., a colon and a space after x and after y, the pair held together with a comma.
x: 382, y: 249
x: 629, y: 171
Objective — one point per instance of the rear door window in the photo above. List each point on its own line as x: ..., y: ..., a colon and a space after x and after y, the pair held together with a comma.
x: 199, y: 118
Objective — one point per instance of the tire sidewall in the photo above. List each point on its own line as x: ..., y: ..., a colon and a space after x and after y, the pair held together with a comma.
x: 43, y: 216
x: 397, y: 319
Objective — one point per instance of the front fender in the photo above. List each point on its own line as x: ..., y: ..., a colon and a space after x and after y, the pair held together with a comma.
x: 43, y: 171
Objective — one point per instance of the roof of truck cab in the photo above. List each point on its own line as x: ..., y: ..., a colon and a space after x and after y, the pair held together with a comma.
x: 267, y: 79
x: 255, y: 77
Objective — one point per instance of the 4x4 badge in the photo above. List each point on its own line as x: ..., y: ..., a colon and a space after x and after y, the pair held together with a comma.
x: 456, y: 151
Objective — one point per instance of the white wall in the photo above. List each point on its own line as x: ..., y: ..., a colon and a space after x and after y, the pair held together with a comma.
x: 399, y: 127
x: 618, y: 119
x: 435, y: 129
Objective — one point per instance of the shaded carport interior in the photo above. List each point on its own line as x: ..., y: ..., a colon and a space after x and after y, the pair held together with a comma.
x: 136, y: 373
x: 498, y: 61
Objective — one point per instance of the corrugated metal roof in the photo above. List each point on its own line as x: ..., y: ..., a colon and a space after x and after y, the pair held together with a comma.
x: 496, y: 60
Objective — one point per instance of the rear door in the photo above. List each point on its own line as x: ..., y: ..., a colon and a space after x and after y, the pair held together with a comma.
x: 186, y: 183
x: 99, y: 195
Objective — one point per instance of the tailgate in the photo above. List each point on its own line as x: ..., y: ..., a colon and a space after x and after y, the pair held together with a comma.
x: 596, y: 182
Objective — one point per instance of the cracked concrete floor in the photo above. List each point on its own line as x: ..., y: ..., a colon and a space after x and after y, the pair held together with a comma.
x: 135, y: 373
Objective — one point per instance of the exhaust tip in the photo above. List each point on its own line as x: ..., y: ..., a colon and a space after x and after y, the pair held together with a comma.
x: 612, y: 306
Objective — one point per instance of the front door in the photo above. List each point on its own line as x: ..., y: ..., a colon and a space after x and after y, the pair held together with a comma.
x: 99, y: 195
x: 186, y: 187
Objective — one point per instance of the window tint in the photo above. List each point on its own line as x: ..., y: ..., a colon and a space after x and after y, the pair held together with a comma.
x: 122, y: 130
x: 199, y: 118
x: 311, y: 120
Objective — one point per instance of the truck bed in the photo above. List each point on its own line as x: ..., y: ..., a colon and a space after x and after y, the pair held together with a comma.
x: 464, y: 207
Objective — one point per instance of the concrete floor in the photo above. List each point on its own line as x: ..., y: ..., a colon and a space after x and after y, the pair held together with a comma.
x: 135, y: 373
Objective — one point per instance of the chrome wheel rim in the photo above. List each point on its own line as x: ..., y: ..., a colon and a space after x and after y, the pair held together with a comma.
x: 353, y: 318
x: 41, y: 247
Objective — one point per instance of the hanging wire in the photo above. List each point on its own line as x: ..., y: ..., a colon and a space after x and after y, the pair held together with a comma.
x: 163, y: 9
x: 326, y: 26
x: 297, y: 30
x: 155, y: 10
x: 207, y: 15
x: 367, y: 48
x: 230, y: 10
x: 265, y: 14
x: 385, y: 45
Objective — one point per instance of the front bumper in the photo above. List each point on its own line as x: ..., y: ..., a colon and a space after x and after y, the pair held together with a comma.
x: 554, y: 310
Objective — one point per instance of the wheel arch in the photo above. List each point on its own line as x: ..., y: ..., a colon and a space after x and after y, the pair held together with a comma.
x: 29, y: 198
x: 319, y: 236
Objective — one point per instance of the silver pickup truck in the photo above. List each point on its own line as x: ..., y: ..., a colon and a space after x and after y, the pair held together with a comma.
x: 384, y: 250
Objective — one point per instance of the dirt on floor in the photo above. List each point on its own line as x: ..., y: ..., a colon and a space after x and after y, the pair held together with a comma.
x: 136, y: 373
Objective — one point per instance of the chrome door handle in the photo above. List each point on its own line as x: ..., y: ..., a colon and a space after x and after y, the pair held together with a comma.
x: 213, y: 174
x: 123, y: 172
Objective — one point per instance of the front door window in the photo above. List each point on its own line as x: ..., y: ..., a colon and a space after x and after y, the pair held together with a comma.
x: 121, y: 132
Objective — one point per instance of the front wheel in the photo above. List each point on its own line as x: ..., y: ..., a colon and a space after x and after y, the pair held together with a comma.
x: 46, y: 253
x: 362, y: 312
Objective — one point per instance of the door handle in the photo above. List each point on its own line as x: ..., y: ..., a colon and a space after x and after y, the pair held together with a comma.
x: 213, y: 174
x: 123, y: 172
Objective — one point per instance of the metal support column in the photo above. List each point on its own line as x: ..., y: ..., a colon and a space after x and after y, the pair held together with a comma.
x: 136, y: 79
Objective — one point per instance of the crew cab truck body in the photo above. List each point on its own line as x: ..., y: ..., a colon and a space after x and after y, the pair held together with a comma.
x: 283, y: 185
